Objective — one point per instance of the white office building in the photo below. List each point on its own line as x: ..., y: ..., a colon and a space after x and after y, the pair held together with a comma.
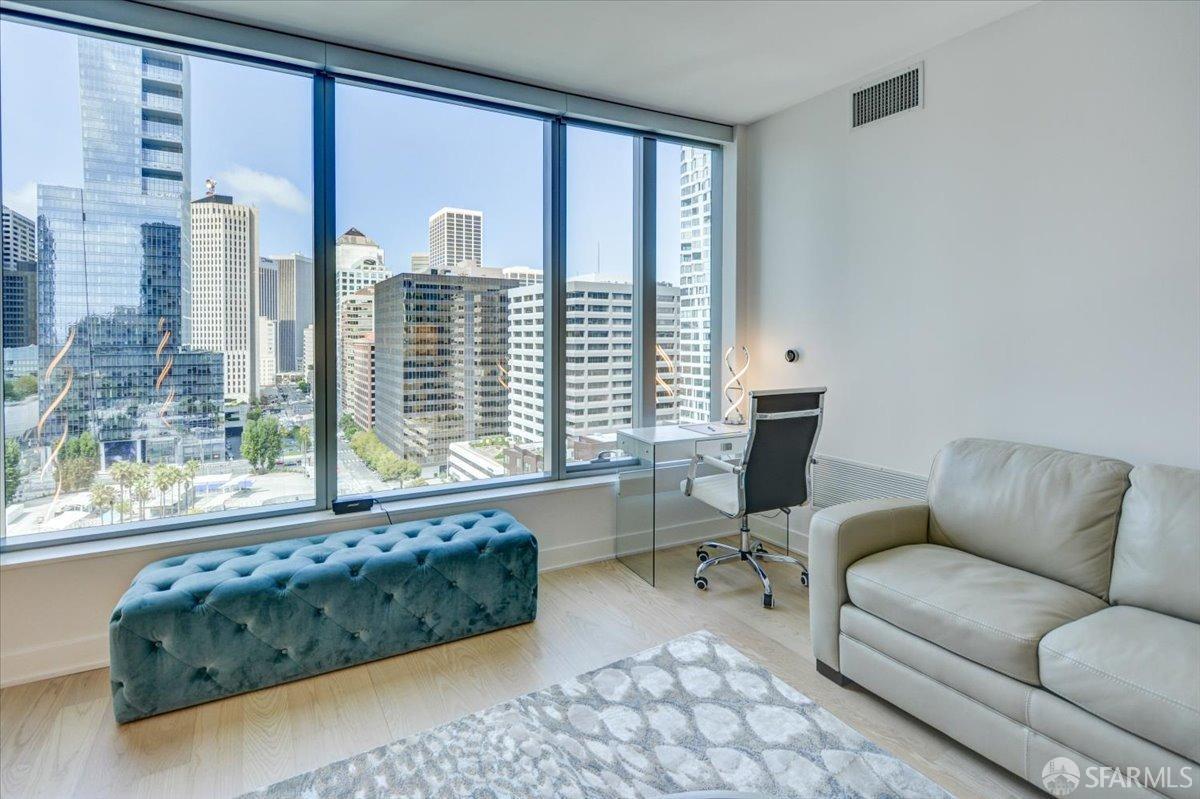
x: 599, y: 358
x: 694, y: 383
x: 455, y: 235
x: 360, y: 263
x: 268, y: 354
x: 224, y: 287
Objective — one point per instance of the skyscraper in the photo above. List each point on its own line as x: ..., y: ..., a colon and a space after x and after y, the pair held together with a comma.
x: 295, y: 308
x: 695, y: 285
x: 268, y: 288
x: 356, y: 319
x: 455, y: 235
x: 599, y: 361
x: 18, y: 242
x: 114, y: 288
x: 441, y: 341
x: 359, y: 263
x: 224, y: 288
x: 18, y: 254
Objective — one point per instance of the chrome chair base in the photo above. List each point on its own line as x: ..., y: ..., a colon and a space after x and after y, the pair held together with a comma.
x: 750, y: 551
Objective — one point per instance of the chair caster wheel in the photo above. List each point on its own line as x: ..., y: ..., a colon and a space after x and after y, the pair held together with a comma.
x: 768, y: 601
x: 701, y: 583
x: 759, y: 549
x: 701, y: 555
x: 804, y: 578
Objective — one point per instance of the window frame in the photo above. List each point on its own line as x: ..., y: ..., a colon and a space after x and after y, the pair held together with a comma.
x: 327, y: 65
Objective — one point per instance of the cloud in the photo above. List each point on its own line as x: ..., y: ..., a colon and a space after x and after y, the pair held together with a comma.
x: 23, y: 200
x: 262, y: 188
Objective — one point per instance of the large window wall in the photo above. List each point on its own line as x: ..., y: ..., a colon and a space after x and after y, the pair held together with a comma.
x: 235, y: 288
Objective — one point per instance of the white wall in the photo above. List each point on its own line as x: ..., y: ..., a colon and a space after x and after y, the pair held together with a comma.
x: 1020, y: 259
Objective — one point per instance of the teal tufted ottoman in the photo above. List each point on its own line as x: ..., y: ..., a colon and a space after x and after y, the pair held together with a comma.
x: 199, y: 627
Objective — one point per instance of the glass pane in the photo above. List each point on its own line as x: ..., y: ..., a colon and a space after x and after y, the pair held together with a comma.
x: 145, y: 373
x: 439, y: 293
x: 599, y: 310
x: 684, y: 261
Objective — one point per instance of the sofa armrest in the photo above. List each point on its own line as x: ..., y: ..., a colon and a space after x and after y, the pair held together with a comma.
x: 841, y: 535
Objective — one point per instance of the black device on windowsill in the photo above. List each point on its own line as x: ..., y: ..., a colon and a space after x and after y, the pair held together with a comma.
x: 352, y: 504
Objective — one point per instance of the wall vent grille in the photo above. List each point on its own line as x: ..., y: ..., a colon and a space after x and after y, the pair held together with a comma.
x: 836, y: 480
x: 900, y: 92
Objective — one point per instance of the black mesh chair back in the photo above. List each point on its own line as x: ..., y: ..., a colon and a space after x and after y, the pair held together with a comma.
x: 784, y: 426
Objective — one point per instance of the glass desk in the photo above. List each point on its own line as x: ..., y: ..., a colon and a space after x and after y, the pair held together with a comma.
x: 652, y: 511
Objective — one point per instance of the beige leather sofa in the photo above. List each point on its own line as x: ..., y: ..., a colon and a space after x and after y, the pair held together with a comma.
x: 1040, y: 604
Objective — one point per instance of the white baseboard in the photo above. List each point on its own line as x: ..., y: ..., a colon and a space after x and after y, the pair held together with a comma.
x: 54, y: 660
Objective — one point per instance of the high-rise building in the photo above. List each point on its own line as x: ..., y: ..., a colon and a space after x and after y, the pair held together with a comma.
x: 524, y: 275
x: 114, y: 287
x: 20, y: 304
x: 356, y: 319
x: 18, y: 257
x: 359, y: 263
x: 695, y: 286
x: 268, y: 357
x: 360, y: 380
x: 455, y: 235
x: 308, y: 360
x: 295, y: 308
x: 599, y: 361
x: 268, y: 288
x: 419, y: 262
x: 18, y: 240
x: 441, y: 341
x: 225, y: 278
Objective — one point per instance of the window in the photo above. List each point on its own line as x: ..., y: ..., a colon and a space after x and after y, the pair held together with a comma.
x: 236, y: 288
x: 154, y: 356
x: 440, y: 293
x: 599, y: 254
x: 683, y: 366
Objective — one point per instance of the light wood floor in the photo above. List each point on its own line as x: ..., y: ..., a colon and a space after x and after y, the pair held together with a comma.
x: 58, y: 738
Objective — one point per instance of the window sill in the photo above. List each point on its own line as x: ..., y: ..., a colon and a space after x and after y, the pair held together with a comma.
x: 291, y: 525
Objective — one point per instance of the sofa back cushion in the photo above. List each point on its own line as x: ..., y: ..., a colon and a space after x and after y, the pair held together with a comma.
x: 1157, y: 562
x: 1044, y: 510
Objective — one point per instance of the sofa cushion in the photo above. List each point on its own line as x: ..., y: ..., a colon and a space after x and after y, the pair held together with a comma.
x: 1046, y: 511
x: 1157, y: 561
x: 1135, y: 668
x: 985, y: 611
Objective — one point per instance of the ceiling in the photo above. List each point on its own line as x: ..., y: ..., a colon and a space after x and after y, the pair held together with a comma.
x: 724, y: 60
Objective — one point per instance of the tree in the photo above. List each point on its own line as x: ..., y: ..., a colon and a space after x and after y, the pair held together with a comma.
x: 123, y: 473
x: 349, y: 426
x: 103, y: 498
x: 304, y: 386
x: 190, y: 470
x: 164, y: 477
x: 303, y: 436
x: 78, y: 462
x: 123, y: 507
x: 12, y: 469
x: 262, y: 443
x: 141, y: 492
x: 21, y: 388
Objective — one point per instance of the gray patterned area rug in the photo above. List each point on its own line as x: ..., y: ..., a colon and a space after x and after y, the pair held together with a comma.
x: 691, y: 714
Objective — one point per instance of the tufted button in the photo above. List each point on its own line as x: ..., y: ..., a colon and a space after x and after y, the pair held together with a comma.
x: 356, y: 635
x: 158, y: 644
x: 354, y: 572
x: 318, y: 611
x: 243, y: 626
x: 388, y: 597
x: 283, y: 651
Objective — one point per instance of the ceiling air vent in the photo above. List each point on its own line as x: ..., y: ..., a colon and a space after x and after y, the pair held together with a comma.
x: 901, y: 91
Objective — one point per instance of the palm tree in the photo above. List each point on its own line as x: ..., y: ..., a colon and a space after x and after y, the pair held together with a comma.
x: 303, y: 438
x: 123, y: 474
x: 164, y: 478
x: 190, y: 470
x: 103, y: 498
x: 123, y: 507
x: 141, y: 492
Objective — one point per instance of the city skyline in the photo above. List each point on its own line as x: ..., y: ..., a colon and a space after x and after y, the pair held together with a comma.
x: 466, y: 160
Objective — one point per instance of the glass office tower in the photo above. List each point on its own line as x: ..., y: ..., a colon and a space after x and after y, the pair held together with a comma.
x: 114, y: 299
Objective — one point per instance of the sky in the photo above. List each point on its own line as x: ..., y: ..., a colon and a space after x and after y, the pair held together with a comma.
x: 399, y: 159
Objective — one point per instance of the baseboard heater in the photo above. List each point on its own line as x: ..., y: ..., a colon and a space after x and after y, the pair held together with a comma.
x: 837, y: 480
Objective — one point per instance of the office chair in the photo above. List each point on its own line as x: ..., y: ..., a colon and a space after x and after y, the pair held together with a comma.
x: 775, y: 473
